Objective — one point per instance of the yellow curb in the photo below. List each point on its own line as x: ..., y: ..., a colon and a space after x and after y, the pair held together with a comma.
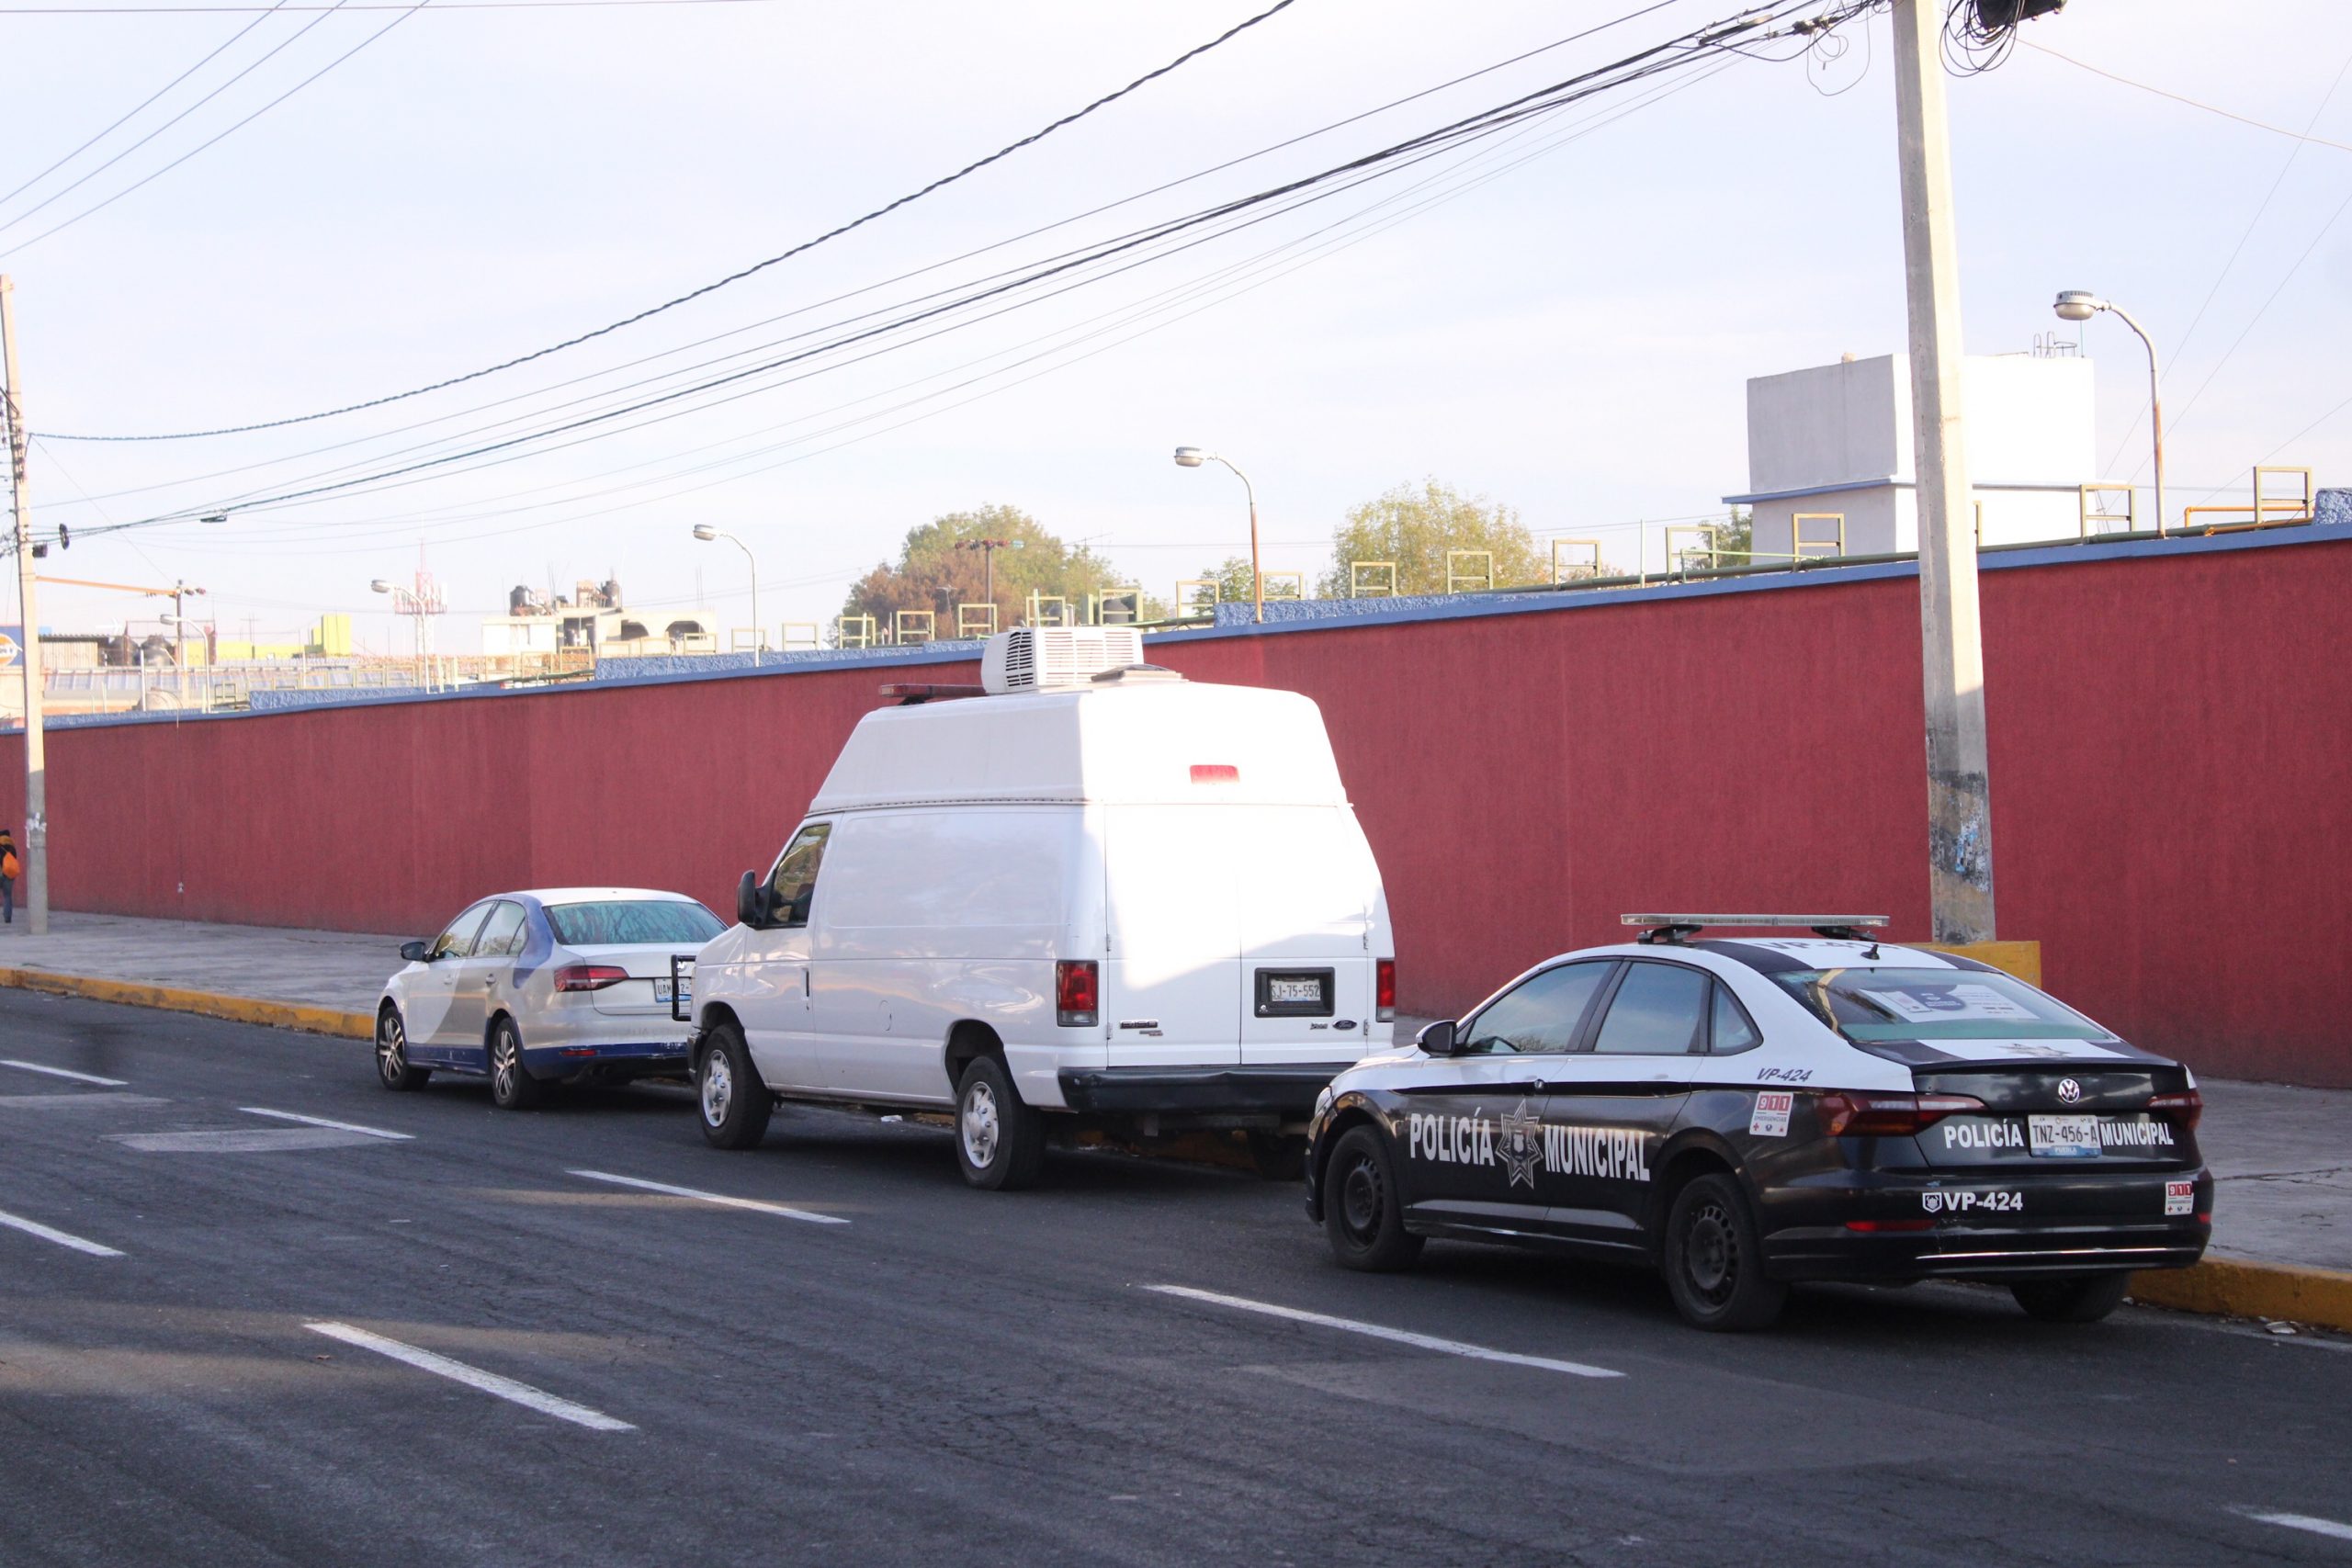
x: 209, y: 1004
x: 2239, y: 1287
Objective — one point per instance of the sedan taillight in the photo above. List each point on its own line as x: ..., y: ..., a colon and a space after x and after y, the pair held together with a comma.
x: 588, y: 976
x: 1852, y: 1113
x: 2182, y: 1108
x: 1077, y: 993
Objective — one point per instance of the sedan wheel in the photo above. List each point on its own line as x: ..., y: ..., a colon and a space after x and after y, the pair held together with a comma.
x: 1363, y: 1214
x: 512, y: 1086
x: 1715, y: 1266
x: 392, y: 1053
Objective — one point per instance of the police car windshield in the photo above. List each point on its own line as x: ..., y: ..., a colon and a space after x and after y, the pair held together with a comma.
x: 614, y: 922
x: 1934, y: 1004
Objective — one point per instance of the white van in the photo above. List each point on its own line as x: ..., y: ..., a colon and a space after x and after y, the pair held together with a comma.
x: 1090, y: 893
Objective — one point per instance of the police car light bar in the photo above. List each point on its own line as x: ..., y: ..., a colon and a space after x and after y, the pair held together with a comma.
x: 1674, y: 928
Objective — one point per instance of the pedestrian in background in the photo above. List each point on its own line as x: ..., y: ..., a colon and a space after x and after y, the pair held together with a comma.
x: 11, y: 868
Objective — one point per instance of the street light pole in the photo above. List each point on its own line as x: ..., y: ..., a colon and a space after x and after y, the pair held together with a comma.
x: 1192, y: 457
x: 705, y: 533
x: 1960, y: 815
x: 36, y: 856
x: 2078, y: 305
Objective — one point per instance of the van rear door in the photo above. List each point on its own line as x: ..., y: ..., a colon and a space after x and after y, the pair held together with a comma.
x: 1171, y: 982
x: 1310, y: 894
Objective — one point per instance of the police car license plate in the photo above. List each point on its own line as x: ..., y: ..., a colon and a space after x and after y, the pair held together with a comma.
x: 2062, y: 1137
x: 1306, y: 989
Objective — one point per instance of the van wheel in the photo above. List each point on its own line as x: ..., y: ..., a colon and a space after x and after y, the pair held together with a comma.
x: 735, y: 1104
x: 1363, y: 1212
x: 392, y: 1053
x: 2084, y: 1300
x: 1715, y: 1266
x: 999, y: 1141
x: 512, y: 1086
x: 1276, y: 1157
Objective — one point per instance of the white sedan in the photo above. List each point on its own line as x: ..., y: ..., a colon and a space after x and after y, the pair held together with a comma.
x: 565, y: 984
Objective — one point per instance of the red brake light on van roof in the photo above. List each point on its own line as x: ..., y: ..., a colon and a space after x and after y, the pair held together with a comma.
x: 588, y: 976
x: 1848, y: 1114
x: 1384, y: 991
x: 1216, y: 774
x: 1077, y: 993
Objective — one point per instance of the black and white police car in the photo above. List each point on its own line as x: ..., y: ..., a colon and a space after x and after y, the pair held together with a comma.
x: 1745, y: 1114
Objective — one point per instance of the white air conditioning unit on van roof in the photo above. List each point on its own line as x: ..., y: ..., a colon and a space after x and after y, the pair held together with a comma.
x: 1044, y: 659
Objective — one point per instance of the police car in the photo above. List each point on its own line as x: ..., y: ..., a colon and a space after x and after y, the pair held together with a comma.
x: 1745, y: 1114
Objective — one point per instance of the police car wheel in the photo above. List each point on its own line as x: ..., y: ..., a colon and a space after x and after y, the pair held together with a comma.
x: 392, y: 1069
x: 2084, y: 1300
x: 1363, y: 1212
x: 1713, y: 1267
x: 512, y: 1086
x: 734, y: 1103
x: 999, y: 1141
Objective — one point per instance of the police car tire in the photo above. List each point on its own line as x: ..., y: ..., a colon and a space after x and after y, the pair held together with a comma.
x: 1715, y: 1266
x: 1363, y: 1212
x: 512, y: 1086
x: 2086, y: 1299
x: 728, y: 1084
x: 392, y: 1070
x: 991, y: 1117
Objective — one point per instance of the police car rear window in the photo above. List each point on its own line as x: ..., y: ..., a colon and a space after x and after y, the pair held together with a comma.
x: 1934, y: 1004
x: 616, y: 921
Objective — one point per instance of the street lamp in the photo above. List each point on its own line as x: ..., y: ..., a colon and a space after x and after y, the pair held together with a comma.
x: 1192, y: 457
x: 707, y: 534
x: 2081, y: 305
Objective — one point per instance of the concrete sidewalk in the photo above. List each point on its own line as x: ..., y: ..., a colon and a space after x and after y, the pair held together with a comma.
x: 2281, y: 1156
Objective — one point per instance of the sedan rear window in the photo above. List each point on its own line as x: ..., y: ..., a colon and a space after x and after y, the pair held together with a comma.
x: 612, y: 922
x: 1935, y: 1004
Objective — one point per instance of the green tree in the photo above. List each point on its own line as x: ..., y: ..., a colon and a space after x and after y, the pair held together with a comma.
x: 1415, y: 526
x: 1234, y: 587
x: 1731, y: 540
x: 931, y: 573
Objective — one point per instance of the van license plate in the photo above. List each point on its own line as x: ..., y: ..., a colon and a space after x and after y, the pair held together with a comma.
x: 1305, y: 990
x: 2063, y: 1137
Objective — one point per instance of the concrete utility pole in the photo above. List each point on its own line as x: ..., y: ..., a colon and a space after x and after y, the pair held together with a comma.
x: 1960, y: 807
x: 36, y: 856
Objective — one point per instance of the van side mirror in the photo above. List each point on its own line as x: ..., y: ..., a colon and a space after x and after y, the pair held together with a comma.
x: 417, y: 953
x: 751, y: 901
x: 1438, y: 1038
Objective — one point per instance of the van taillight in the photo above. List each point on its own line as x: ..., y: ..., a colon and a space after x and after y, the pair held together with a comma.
x: 1077, y: 997
x: 1384, y: 991
x: 588, y: 976
x: 2182, y: 1110
x: 1216, y: 774
x: 1850, y: 1113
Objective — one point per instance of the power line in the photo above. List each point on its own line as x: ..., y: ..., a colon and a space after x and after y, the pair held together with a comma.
x: 736, y: 277
x: 200, y: 146
x: 2192, y: 103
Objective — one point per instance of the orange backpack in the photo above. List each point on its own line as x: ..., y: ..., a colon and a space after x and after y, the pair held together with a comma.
x: 8, y: 866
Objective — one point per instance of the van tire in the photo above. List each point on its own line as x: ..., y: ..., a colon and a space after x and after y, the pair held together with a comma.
x: 1363, y: 1212
x: 999, y: 1141
x: 731, y: 1102
x: 1714, y: 1263
x: 2086, y: 1299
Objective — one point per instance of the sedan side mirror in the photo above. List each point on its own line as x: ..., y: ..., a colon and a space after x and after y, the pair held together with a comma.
x: 751, y: 901
x: 417, y: 953
x: 1437, y: 1039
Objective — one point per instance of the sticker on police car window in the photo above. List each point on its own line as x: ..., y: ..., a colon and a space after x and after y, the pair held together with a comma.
x: 1964, y: 1001
x: 1771, y: 1116
x: 2180, y: 1197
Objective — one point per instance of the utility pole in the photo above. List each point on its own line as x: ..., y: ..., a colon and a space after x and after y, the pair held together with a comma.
x: 36, y: 856
x: 1959, y: 813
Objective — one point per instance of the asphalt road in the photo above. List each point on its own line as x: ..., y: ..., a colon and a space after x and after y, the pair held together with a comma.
x: 956, y: 1376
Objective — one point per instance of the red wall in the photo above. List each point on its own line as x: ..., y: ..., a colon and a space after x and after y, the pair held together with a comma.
x: 2172, y: 784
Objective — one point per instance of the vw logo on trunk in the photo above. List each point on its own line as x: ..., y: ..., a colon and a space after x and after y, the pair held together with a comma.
x: 2069, y: 1090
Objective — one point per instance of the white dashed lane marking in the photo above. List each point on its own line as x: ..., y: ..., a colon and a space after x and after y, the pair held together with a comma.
x: 521, y: 1393
x: 32, y: 1227
x: 62, y: 1073
x: 324, y: 1121
x: 719, y: 1198
x: 2303, y: 1522
x: 1395, y: 1336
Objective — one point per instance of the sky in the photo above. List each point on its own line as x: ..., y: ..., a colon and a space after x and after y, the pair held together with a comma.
x: 1562, y: 320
